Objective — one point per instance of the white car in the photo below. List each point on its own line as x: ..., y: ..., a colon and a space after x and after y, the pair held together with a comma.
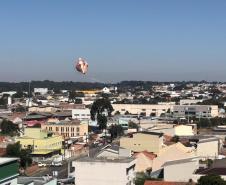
x: 40, y: 164
x: 56, y: 164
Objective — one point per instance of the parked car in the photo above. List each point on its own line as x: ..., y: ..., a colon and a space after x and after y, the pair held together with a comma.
x: 56, y: 164
x: 40, y: 164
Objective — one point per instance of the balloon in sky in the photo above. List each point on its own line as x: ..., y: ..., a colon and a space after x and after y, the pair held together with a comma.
x: 81, y: 66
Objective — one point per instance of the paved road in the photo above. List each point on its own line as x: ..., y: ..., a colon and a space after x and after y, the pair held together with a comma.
x: 62, y: 170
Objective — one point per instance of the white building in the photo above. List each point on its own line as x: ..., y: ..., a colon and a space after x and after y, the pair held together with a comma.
x: 106, y: 90
x: 42, y: 91
x: 148, y: 110
x: 190, y: 101
x: 81, y: 114
x: 199, y: 111
x: 180, y: 170
x: 208, y: 148
x: 104, y: 171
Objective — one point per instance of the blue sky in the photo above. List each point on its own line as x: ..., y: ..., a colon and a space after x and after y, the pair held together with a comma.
x: 121, y: 39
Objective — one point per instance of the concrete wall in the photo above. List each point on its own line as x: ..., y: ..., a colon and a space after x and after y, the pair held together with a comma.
x: 208, y: 149
x: 140, y: 108
x: 183, y: 130
x: 102, y: 173
x: 81, y: 114
x: 67, y: 129
x: 180, y: 172
x: 141, y: 142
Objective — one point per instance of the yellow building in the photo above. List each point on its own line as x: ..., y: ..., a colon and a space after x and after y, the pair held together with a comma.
x: 143, y: 141
x: 41, y: 142
x: 67, y: 128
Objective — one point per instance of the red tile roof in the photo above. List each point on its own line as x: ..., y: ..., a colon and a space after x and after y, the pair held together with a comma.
x: 163, y: 183
x: 149, y: 155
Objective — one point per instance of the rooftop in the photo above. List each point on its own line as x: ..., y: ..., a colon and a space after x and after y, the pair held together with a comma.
x: 4, y: 160
x: 105, y: 159
x: 35, y: 180
x: 147, y: 182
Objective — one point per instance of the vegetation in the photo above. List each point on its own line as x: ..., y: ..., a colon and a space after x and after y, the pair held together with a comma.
x: 14, y: 150
x: 8, y: 128
x: 116, y: 131
x: 175, y: 139
x: 98, y: 110
x: 211, y: 180
x: 208, y: 123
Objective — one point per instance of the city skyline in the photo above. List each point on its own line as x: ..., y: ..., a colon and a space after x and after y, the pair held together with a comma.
x: 121, y: 40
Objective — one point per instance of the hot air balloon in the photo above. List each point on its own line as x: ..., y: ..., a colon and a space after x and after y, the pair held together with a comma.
x: 81, y: 66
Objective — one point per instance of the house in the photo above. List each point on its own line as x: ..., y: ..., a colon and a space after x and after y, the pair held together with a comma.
x: 218, y: 167
x: 102, y: 171
x: 43, y: 144
x: 9, y: 168
x: 143, y: 141
x: 144, y: 161
x: 172, y: 152
x: 41, y: 91
x: 113, y: 150
x: 180, y: 170
x: 183, y: 130
x: 206, y: 147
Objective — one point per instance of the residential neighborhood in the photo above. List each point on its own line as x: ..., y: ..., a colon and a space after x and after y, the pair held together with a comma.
x: 172, y: 140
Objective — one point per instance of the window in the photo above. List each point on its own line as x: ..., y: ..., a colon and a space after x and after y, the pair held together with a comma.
x: 153, y: 109
x: 143, y: 109
x: 77, y: 129
x: 57, y: 129
x: 62, y: 129
x: 72, y: 129
x: 123, y: 109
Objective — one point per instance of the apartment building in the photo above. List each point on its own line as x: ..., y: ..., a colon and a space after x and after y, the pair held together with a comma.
x: 67, y: 128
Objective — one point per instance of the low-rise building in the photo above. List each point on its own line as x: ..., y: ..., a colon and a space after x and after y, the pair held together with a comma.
x: 180, y: 170
x: 148, y: 110
x: 143, y: 141
x: 81, y: 114
x: 9, y: 168
x: 42, y: 143
x: 67, y: 128
x: 102, y: 171
x: 198, y: 111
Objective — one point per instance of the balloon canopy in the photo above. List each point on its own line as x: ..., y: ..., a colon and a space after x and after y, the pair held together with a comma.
x: 81, y: 66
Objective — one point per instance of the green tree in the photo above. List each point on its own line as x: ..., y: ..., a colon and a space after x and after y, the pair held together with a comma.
x: 8, y: 127
x: 211, y: 180
x: 19, y: 94
x: 14, y: 150
x: 102, y: 121
x: 116, y: 131
x: 175, y: 139
x: 133, y: 125
x: 72, y: 96
x: 98, y: 110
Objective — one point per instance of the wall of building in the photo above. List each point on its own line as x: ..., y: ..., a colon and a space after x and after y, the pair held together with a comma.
x: 67, y: 130
x: 180, y: 172
x: 141, y: 108
x: 141, y: 142
x: 183, y: 130
x: 102, y: 173
x: 208, y: 149
x: 81, y: 114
